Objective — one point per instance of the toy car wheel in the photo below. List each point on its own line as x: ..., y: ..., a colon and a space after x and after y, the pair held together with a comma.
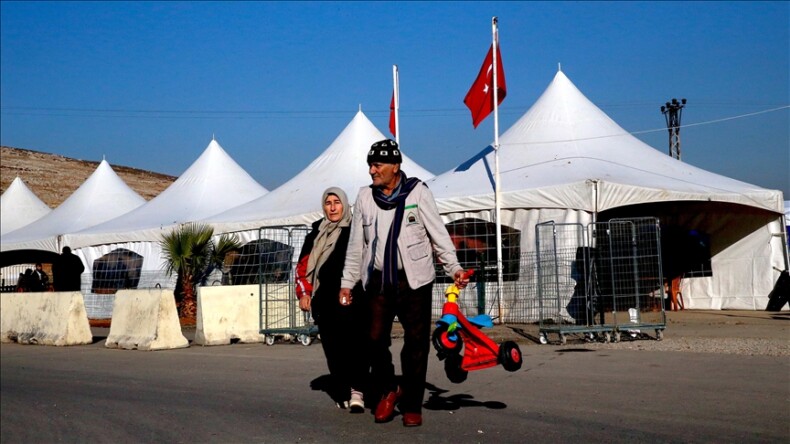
x: 510, y: 356
x: 453, y: 370
x: 443, y: 343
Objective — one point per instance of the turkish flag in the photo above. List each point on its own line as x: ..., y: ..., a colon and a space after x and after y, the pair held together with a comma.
x: 480, y: 98
x: 392, y: 115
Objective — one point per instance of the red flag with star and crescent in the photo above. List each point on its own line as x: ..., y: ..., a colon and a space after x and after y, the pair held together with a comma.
x: 480, y: 98
x: 392, y: 115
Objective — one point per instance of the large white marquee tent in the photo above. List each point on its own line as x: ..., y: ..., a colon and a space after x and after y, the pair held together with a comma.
x: 213, y: 183
x: 298, y: 201
x: 20, y: 206
x: 103, y: 196
x: 566, y: 161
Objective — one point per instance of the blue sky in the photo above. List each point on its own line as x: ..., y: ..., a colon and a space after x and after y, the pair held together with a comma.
x: 148, y: 84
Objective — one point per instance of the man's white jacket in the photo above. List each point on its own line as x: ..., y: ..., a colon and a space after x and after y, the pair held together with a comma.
x: 422, y: 232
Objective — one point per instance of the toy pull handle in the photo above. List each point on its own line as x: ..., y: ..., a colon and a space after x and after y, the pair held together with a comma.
x: 452, y: 292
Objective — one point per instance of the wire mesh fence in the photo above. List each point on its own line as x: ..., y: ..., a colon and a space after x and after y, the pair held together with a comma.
x: 269, y: 262
x: 605, y: 278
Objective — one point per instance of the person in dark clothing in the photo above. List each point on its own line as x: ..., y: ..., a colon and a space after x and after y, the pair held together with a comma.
x: 25, y: 279
x: 40, y: 279
x: 343, y: 329
x: 67, y: 271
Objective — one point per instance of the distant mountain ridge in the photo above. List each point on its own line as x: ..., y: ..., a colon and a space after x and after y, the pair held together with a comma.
x: 53, y: 178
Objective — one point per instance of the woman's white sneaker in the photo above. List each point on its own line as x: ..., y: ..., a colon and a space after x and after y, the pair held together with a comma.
x: 357, y: 403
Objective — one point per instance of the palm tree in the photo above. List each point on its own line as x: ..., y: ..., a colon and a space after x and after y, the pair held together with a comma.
x: 190, y: 251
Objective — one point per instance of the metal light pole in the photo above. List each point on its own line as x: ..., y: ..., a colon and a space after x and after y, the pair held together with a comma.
x: 672, y: 112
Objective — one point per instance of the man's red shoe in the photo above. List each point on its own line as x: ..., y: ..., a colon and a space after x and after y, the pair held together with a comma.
x: 412, y: 419
x: 386, y: 406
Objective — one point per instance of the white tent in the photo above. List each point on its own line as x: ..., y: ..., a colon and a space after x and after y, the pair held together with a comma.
x: 567, y: 161
x: 103, y: 196
x: 213, y: 183
x: 19, y: 206
x: 342, y: 164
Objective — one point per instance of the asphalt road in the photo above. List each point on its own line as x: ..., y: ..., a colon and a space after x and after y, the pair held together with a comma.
x: 253, y: 393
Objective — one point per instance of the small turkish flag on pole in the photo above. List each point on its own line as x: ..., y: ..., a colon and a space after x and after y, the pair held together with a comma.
x: 395, y: 105
x: 480, y: 98
x: 392, y: 115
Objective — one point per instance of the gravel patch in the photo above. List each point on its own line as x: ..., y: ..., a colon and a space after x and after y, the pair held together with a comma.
x: 736, y: 346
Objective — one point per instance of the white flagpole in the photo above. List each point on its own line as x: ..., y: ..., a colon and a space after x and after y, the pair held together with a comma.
x: 397, y: 103
x: 497, y: 203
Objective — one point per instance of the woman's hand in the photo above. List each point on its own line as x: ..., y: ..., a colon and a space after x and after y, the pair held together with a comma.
x: 304, y: 303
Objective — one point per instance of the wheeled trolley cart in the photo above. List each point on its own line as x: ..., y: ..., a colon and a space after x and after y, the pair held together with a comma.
x: 600, y: 280
x: 276, y: 255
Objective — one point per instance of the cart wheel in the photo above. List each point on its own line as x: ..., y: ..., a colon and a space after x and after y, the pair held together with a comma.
x: 659, y: 334
x: 305, y: 340
x: 442, y: 342
x: 269, y: 340
x: 452, y: 367
x: 510, y: 356
x: 617, y: 336
x: 563, y: 339
x: 607, y: 337
x: 543, y: 339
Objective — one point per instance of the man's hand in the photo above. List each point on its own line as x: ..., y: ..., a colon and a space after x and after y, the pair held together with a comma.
x: 345, y: 296
x: 304, y: 303
x: 461, y: 279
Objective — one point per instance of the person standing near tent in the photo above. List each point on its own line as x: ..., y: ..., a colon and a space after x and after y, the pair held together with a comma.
x: 67, y: 271
x: 40, y: 279
x: 343, y: 329
x: 395, y: 229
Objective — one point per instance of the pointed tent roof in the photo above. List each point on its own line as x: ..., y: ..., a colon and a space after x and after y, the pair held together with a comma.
x: 553, y: 154
x: 19, y: 206
x: 101, y: 197
x: 214, y: 182
x: 343, y: 164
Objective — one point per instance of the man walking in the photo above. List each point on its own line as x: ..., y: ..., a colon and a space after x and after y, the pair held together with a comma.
x: 395, y: 230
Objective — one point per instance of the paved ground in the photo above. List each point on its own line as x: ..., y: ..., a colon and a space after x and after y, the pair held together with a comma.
x: 580, y: 392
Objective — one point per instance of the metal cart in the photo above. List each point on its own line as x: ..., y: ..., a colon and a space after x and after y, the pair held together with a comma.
x: 601, y: 280
x: 276, y: 254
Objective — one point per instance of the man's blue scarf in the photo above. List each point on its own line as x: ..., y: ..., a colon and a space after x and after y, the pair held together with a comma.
x: 396, y: 200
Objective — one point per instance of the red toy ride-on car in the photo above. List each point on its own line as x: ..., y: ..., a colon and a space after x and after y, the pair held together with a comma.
x: 455, y: 334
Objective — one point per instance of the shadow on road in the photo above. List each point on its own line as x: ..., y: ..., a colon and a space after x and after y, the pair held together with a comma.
x: 454, y: 402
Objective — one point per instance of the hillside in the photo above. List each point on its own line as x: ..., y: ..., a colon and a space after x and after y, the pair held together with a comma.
x: 53, y: 178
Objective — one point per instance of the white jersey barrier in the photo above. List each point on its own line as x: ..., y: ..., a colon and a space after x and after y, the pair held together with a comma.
x: 226, y: 313
x: 44, y: 318
x: 145, y: 320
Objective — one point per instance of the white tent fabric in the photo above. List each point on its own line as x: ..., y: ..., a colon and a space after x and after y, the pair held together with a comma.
x: 103, y: 196
x: 567, y: 155
x: 19, y: 206
x: 213, y: 183
x: 342, y: 164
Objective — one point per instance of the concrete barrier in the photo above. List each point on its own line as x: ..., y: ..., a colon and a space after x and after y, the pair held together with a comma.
x: 145, y: 320
x: 44, y: 318
x: 226, y: 313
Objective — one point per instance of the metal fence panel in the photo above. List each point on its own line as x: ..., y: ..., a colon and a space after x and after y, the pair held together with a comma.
x: 276, y: 254
x: 605, y: 279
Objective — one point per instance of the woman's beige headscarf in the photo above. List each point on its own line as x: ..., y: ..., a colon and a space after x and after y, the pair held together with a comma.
x: 328, y: 233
